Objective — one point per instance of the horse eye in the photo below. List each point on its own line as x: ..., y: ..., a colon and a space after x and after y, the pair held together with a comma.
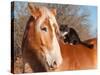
x: 44, y: 29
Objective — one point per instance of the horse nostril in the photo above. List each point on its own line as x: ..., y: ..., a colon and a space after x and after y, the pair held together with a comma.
x: 54, y: 65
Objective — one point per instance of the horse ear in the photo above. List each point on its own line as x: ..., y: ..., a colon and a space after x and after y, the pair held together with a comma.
x: 34, y: 10
x: 57, y: 31
x: 53, y: 11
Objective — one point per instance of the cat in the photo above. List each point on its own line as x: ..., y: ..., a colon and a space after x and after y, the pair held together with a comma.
x: 70, y: 36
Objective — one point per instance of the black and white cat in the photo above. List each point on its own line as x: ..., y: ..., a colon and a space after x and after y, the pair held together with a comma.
x: 70, y: 36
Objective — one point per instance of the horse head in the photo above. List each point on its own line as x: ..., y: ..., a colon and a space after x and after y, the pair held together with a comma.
x: 41, y: 32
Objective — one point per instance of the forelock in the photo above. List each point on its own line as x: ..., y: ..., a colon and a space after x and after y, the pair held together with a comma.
x: 45, y: 13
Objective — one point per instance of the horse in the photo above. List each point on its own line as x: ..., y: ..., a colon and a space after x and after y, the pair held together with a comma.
x: 78, y: 57
x: 40, y: 47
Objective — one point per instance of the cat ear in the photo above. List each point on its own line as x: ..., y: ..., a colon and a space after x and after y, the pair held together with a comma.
x: 34, y: 10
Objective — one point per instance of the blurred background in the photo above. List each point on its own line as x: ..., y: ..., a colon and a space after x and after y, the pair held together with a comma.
x: 82, y: 18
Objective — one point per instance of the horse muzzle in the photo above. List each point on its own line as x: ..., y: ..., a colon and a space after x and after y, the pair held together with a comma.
x: 53, y: 63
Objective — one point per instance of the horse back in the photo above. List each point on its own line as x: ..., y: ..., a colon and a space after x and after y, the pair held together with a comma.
x: 78, y: 56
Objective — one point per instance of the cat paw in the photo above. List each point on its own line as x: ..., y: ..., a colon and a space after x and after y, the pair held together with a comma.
x: 71, y: 43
